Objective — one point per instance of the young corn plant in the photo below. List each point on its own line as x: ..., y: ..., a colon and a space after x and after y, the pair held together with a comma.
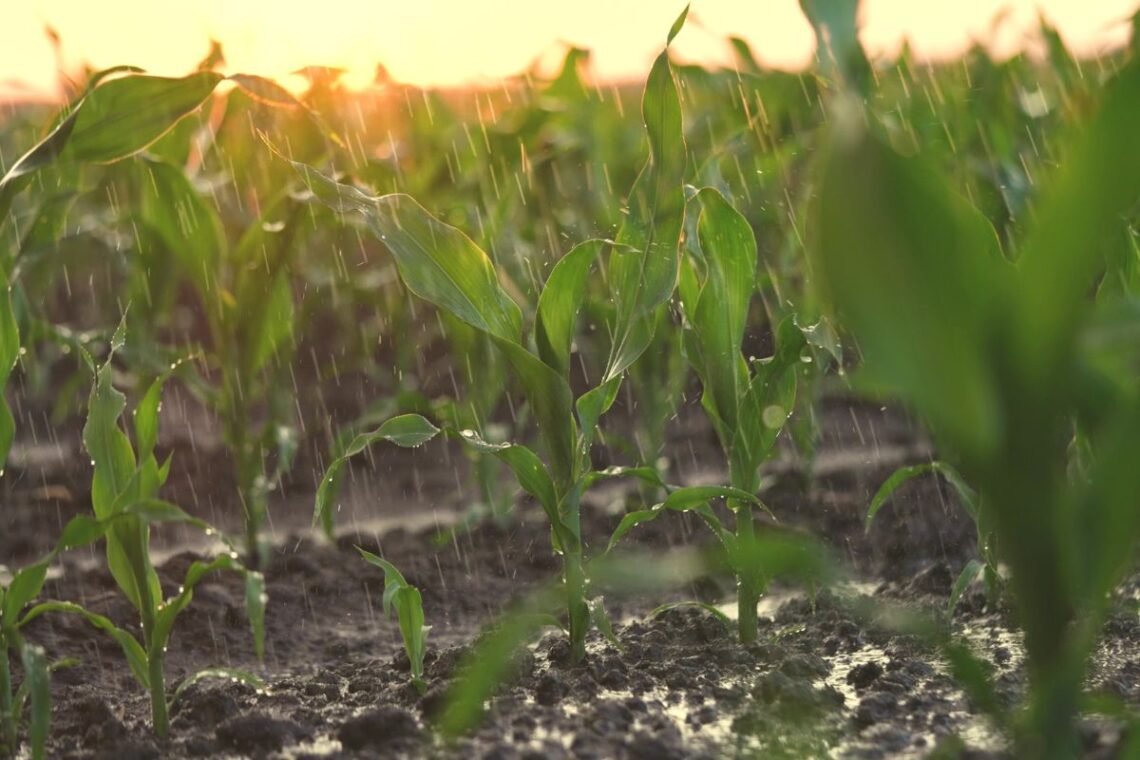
x: 118, y: 118
x: 408, y: 605
x: 994, y: 356
x: 246, y: 293
x: 986, y: 564
x: 17, y: 593
x: 747, y: 402
x: 124, y: 495
x: 442, y: 265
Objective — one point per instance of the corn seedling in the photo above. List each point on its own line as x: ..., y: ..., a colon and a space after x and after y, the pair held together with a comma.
x: 442, y: 265
x: 408, y: 605
x: 124, y: 494
x: 748, y: 406
x: 986, y: 565
x: 251, y: 318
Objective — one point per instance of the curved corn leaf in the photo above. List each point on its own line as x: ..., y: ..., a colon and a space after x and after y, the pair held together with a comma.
x: 124, y: 116
x: 900, y: 476
x: 408, y: 431
x: 168, y: 611
x: 135, y: 654
x: 689, y: 499
x: 443, y: 266
x: 531, y: 474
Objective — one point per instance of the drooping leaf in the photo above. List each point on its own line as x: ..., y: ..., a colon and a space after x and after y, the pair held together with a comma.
x: 407, y: 430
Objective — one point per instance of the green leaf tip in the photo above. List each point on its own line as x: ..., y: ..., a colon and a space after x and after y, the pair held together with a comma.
x: 677, y: 26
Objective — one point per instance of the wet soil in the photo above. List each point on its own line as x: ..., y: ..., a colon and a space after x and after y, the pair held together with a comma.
x: 822, y: 680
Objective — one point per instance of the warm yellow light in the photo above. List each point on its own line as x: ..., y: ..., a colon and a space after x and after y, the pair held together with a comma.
x: 452, y: 42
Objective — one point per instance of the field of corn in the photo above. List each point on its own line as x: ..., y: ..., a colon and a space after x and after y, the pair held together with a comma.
x: 732, y: 413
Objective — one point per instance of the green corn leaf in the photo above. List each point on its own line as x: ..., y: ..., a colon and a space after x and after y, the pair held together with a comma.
x: 135, y: 654
x: 186, y: 224
x: 721, y: 312
x: 601, y: 620
x: 443, y: 266
x: 146, y: 418
x: 9, y: 353
x: 767, y: 403
x: 687, y: 500
x: 560, y: 301
x: 691, y: 496
x: 169, y: 610
x: 900, y: 476
x: 272, y: 324
x: 124, y: 116
x: 437, y: 262
x: 80, y: 530
x: 37, y: 683
x: 408, y: 430
x: 1080, y: 215
x: 595, y: 402
x: 115, y: 484
x: 836, y: 27
x: 25, y: 587
x: 890, y: 241
x: 677, y: 26
x: 890, y: 485
x: 408, y: 603
x: 552, y: 404
x: 972, y: 570
x: 644, y: 279
x: 531, y: 474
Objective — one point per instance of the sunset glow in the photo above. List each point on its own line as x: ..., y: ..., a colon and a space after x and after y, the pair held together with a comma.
x: 453, y: 42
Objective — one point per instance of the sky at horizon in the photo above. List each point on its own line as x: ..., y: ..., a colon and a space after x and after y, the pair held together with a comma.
x: 458, y: 42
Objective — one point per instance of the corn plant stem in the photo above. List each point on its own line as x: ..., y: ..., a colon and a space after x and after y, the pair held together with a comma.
x: 247, y: 466
x: 748, y: 587
x: 158, y: 708
x: 576, y: 604
x: 574, y: 575
x: 7, y: 714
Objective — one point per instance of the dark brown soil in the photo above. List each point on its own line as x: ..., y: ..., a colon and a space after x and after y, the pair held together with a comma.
x: 821, y: 681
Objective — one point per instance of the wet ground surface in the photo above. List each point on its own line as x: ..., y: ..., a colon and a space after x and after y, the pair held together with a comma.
x: 823, y: 679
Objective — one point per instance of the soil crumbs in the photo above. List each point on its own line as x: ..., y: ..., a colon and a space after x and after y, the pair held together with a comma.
x: 821, y: 681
